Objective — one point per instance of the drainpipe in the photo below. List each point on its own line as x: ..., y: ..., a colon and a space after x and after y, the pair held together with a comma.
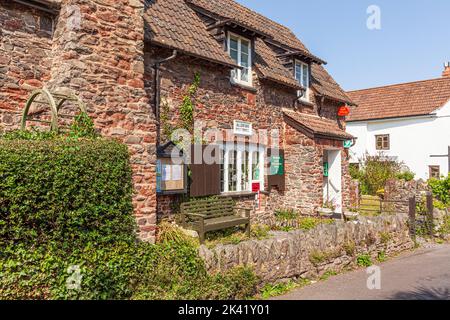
x: 157, y: 93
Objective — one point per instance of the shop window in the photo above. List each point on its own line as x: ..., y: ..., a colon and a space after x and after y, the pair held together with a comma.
x: 243, y: 165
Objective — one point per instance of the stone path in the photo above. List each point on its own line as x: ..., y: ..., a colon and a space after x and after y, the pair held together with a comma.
x: 420, y: 275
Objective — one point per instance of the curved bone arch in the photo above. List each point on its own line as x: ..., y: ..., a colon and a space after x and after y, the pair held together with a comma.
x: 54, y: 101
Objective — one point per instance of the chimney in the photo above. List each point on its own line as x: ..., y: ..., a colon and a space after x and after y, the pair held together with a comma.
x: 446, y: 73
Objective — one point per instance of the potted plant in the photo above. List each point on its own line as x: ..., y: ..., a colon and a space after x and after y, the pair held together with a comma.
x: 351, y: 214
x: 328, y: 209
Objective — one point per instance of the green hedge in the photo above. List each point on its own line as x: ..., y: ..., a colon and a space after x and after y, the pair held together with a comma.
x: 120, y: 271
x: 64, y: 189
x: 66, y: 201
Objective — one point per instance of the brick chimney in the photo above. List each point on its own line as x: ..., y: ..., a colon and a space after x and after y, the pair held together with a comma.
x: 446, y: 73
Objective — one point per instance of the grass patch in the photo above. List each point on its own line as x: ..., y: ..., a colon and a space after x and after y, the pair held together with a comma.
x: 381, y: 256
x: 350, y: 248
x: 364, y: 260
x: 385, y: 237
x: 235, y: 235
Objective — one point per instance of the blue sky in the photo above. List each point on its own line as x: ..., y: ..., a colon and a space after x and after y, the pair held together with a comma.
x: 413, y: 43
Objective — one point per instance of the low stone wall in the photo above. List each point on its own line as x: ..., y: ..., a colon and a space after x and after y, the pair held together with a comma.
x: 309, y: 254
x: 400, y: 190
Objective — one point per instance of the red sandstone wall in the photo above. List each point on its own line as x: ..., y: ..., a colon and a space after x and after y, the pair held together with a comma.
x: 25, y: 58
x: 219, y: 103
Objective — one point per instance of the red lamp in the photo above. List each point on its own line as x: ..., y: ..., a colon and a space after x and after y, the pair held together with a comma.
x: 343, y: 111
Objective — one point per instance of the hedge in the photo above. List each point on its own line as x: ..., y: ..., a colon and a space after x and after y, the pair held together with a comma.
x: 120, y: 271
x: 76, y: 190
x: 67, y: 202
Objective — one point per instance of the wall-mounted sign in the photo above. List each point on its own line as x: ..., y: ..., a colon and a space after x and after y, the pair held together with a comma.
x: 348, y: 144
x: 171, y: 176
x: 276, y: 165
x: 326, y: 167
x: 242, y: 128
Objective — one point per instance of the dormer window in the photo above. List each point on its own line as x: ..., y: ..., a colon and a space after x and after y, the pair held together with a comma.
x: 239, y: 49
x: 302, y: 76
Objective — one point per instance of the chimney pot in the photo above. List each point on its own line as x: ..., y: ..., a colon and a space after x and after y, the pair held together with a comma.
x: 446, y: 73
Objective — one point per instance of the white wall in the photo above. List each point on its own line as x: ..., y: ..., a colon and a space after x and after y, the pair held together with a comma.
x: 413, y: 140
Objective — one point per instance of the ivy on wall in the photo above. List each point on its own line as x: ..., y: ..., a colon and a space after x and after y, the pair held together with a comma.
x: 186, y: 111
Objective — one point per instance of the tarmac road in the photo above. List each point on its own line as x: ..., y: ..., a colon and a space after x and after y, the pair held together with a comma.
x: 420, y: 275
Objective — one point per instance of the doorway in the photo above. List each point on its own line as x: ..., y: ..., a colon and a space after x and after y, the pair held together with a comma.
x: 332, y: 182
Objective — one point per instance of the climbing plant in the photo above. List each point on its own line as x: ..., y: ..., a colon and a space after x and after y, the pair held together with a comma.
x: 187, y: 107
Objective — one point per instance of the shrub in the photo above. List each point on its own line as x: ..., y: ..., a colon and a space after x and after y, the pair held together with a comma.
x: 364, y: 260
x: 54, y: 188
x: 376, y: 171
x: 441, y: 189
x: 118, y: 271
x: 406, y: 175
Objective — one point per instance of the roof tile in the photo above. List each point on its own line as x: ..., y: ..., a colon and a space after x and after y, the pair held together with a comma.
x: 171, y: 23
x: 400, y: 100
x: 318, y: 125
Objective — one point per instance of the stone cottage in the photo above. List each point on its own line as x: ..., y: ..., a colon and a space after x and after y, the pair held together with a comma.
x: 133, y: 61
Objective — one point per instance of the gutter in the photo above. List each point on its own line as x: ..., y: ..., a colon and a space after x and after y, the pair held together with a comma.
x: 418, y: 116
x: 157, y: 93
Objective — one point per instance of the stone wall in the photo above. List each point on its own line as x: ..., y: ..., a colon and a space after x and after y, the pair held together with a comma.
x: 309, y: 254
x: 102, y: 60
x: 25, y: 57
x: 401, y: 191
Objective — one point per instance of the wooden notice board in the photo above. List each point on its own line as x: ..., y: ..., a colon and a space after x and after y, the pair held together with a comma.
x: 170, y: 177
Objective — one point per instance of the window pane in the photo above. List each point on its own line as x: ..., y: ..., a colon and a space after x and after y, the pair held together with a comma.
x: 305, y: 76
x: 298, y: 72
x: 222, y: 170
x: 244, y: 60
x: 255, y: 166
x: 232, y: 170
x: 244, y: 75
x: 245, y: 47
x: 233, y: 44
x: 234, y: 55
x: 244, y: 167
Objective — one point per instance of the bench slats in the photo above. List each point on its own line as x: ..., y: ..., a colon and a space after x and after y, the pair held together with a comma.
x: 211, y: 215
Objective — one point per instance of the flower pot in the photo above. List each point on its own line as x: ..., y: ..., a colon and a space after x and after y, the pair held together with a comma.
x: 326, y: 212
x: 351, y: 216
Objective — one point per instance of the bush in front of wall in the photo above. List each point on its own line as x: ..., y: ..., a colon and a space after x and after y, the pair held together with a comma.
x: 375, y: 172
x: 441, y: 189
x: 116, y: 271
x: 63, y: 189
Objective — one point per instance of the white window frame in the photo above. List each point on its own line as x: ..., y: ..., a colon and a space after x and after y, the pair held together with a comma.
x: 236, y: 74
x: 241, y: 148
x: 301, y: 64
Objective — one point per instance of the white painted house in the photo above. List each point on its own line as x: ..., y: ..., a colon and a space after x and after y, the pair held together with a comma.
x: 409, y: 122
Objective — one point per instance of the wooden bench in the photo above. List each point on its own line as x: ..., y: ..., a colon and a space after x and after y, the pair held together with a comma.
x: 211, y: 215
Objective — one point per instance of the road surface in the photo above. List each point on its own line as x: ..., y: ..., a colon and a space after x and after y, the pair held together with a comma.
x: 421, y: 275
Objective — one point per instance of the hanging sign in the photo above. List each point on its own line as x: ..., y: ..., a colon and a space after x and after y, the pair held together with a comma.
x: 276, y: 165
x: 326, y: 167
x: 348, y: 144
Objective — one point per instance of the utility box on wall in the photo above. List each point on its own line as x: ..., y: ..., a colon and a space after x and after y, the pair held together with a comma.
x: 171, y: 170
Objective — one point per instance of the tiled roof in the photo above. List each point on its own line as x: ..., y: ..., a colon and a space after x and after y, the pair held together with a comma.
x: 174, y: 24
x: 318, y: 126
x: 400, y: 100
x: 171, y: 23
x: 326, y: 86
x: 236, y: 11
x: 270, y: 66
